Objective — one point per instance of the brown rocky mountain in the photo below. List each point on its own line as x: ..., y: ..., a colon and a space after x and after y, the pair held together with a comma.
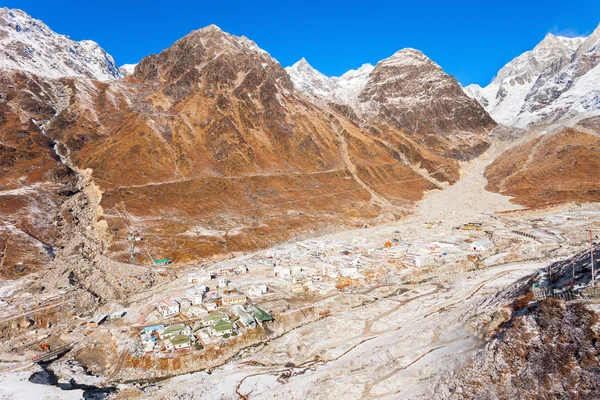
x: 33, y: 183
x: 207, y: 148
x: 406, y: 92
x: 412, y: 93
x: 556, y: 167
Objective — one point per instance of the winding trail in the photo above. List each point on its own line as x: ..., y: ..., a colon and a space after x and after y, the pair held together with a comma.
x: 375, y: 198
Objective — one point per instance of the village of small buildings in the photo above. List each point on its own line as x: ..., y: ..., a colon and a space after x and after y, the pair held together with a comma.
x: 223, y: 302
x: 211, y: 304
x: 200, y: 317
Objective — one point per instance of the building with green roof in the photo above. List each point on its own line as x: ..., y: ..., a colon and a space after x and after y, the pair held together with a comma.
x: 261, y: 315
x: 214, y: 317
x: 178, y: 342
x: 223, y: 327
x: 174, y: 330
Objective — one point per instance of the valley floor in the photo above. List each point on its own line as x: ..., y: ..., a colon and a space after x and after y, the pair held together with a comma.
x: 390, y: 339
x: 394, y: 347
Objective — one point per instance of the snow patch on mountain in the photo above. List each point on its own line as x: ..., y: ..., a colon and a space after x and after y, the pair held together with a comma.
x: 308, y: 80
x: 343, y: 89
x: 558, y: 79
x: 27, y: 44
x: 127, y: 69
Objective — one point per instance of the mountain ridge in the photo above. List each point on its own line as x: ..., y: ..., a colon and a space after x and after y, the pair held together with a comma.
x: 207, y: 148
x: 211, y: 141
x: 30, y: 45
x: 404, y: 91
x: 552, y: 82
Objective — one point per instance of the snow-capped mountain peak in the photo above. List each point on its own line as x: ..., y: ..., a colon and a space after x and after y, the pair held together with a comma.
x: 544, y: 84
x: 27, y: 44
x: 404, y: 89
x: 302, y: 63
x: 591, y: 44
x: 342, y: 89
x: 363, y: 70
x: 530, y: 64
x: 407, y: 56
x: 353, y: 81
x: 127, y: 69
x: 308, y: 80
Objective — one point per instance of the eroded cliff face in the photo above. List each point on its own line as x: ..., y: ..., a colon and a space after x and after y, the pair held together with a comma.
x: 51, y: 222
x: 33, y: 181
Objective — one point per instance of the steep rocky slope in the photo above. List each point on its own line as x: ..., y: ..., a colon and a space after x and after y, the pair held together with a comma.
x: 207, y: 147
x: 33, y: 181
x: 50, y: 220
x: 544, y: 350
x: 548, y: 352
x: 406, y: 92
x: 409, y: 91
x: 556, y: 80
x: 239, y: 159
x: 27, y: 44
x: 549, y: 169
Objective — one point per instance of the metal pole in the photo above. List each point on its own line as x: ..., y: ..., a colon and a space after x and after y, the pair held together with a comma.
x: 592, y: 259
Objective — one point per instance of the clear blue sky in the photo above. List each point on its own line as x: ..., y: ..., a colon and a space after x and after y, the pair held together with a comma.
x: 469, y: 39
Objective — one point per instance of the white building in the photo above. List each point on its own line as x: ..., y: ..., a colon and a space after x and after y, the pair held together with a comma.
x: 168, y: 308
x: 182, y: 341
x: 321, y: 287
x: 117, y: 314
x: 196, y: 295
x: 225, y: 270
x: 424, y: 260
x: 283, y: 273
x: 257, y: 291
x: 196, y: 277
x: 397, y: 252
x: 184, y: 303
x: 483, y: 244
x: 196, y: 311
x: 233, y: 299
x: 148, y: 341
x: 350, y: 272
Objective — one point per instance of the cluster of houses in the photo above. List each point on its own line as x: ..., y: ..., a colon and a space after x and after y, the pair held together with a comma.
x: 215, y: 326
x: 200, y: 299
x: 219, y: 312
x: 319, y: 265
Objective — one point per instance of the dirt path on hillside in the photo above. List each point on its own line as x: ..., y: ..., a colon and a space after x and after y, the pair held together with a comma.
x: 375, y: 197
